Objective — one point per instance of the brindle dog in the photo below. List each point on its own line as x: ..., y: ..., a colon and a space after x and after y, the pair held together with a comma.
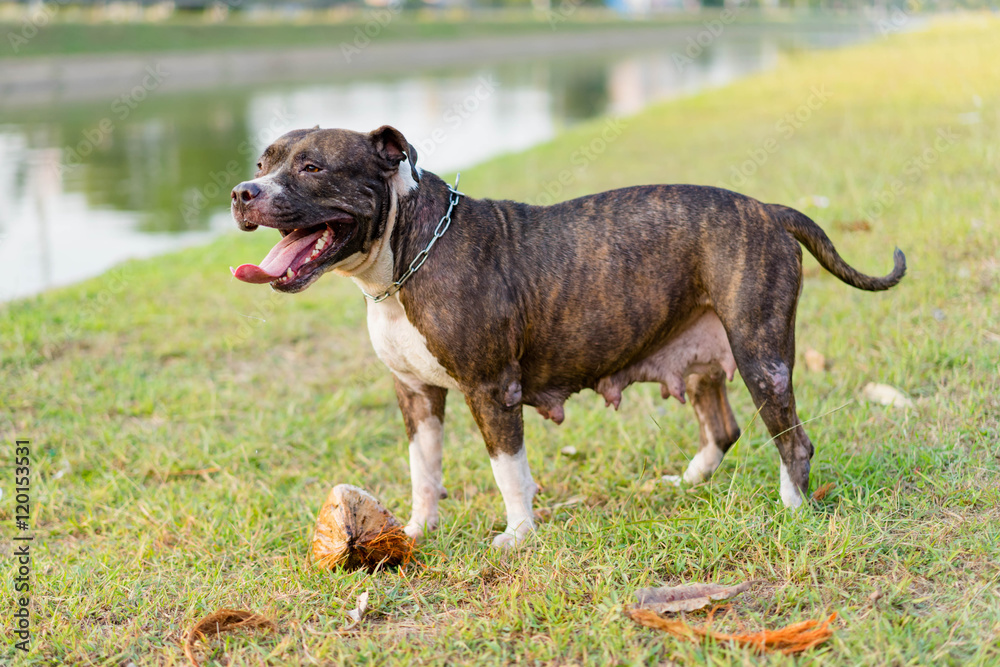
x: 525, y: 305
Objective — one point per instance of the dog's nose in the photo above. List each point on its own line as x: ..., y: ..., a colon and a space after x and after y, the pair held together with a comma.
x: 245, y: 191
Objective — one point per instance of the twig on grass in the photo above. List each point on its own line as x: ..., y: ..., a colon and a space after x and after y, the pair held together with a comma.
x: 219, y: 621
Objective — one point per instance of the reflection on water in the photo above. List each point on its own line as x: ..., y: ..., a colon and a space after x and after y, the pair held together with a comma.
x: 88, y: 185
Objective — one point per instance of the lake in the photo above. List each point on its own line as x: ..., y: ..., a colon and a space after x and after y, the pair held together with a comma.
x: 108, y: 171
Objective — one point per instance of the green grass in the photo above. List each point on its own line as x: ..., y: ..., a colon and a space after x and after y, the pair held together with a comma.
x: 76, y: 38
x: 70, y: 37
x: 168, y: 365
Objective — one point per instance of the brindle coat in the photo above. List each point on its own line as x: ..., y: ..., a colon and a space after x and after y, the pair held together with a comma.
x: 526, y: 305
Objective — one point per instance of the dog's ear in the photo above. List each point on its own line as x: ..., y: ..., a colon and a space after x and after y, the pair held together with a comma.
x: 393, y: 146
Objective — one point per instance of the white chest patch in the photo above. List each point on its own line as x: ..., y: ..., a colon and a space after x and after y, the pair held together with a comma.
x: 402, y: 348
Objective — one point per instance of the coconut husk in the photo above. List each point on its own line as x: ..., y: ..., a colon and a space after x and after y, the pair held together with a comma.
x: 355, y: 531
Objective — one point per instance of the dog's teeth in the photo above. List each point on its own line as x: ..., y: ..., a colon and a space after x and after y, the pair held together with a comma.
x: 289, y: 274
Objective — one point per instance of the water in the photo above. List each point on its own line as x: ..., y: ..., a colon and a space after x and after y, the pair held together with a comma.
x: 89, y: 184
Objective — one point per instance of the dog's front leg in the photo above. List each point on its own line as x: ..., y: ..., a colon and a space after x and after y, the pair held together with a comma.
x: 502, y: 425
x: 423, y: 413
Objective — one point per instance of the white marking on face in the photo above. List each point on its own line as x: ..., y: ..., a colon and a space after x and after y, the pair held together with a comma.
x: 268, y: 185
x: 789, y: 492
x: 425, y: 475
x: 513, y: 476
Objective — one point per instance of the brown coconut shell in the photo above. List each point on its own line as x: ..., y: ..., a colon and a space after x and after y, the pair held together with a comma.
x: 355, y: 531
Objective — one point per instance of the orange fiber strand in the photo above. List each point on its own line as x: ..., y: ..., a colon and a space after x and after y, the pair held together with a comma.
x: 794, y: 638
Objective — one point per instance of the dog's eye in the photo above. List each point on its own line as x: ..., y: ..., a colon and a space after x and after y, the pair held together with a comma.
x: 260, y: 165
x: 311, y: 168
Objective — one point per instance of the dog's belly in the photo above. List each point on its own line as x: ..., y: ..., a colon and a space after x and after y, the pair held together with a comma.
x: 700, y: 347
x: 402, y: 348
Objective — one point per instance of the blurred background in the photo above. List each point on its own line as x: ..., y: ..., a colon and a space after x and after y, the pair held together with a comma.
x: 123, y: 125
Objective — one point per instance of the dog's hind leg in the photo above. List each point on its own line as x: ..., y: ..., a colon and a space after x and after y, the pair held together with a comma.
x: 765, y: 356
x: 423, y: 413
x: 717, y: 427
x: 500, y: 419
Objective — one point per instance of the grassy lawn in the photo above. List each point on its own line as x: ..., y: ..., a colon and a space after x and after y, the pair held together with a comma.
x: 68, y: 37
x: 75, y: 38
x: 190, y: 33
x: 127, y: 382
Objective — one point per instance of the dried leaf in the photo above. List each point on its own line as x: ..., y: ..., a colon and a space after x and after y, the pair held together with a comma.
x: 853, y: 225
x: 794, y: 638
x: 820, y: 493
x: 883, y: 394
x: 815, y: 361
x: 357, y: 613
x: 354, y: 530
x: 545, y: 512
x: 222, y: 620
x: 686, y: 598
x: 200, y: 471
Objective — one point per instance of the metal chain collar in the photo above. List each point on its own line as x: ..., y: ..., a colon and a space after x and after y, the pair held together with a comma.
x: 421, y: 257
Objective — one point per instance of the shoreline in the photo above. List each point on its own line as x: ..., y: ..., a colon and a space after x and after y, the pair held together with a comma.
x: 46, y: 80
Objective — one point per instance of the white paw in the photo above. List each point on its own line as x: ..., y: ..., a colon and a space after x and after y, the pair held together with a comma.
x: 513, y: 538
x: 703, y: 464
x: 694, y: 474
x: 790, y: 495
x: 416, y: 529
x: 791, y: 499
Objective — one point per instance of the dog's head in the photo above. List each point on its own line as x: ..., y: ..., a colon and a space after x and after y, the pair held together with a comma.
x: 329, y: 193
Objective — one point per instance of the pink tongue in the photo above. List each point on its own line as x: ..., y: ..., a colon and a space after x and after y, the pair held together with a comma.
x: 280, y: 259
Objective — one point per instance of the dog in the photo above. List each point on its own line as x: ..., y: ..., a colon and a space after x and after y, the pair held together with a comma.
x: 517, y: 305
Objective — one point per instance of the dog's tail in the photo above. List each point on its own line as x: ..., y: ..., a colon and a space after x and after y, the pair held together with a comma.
x: 809, y: 234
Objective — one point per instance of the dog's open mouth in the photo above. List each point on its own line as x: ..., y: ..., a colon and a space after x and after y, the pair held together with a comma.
x: 297, y: 256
